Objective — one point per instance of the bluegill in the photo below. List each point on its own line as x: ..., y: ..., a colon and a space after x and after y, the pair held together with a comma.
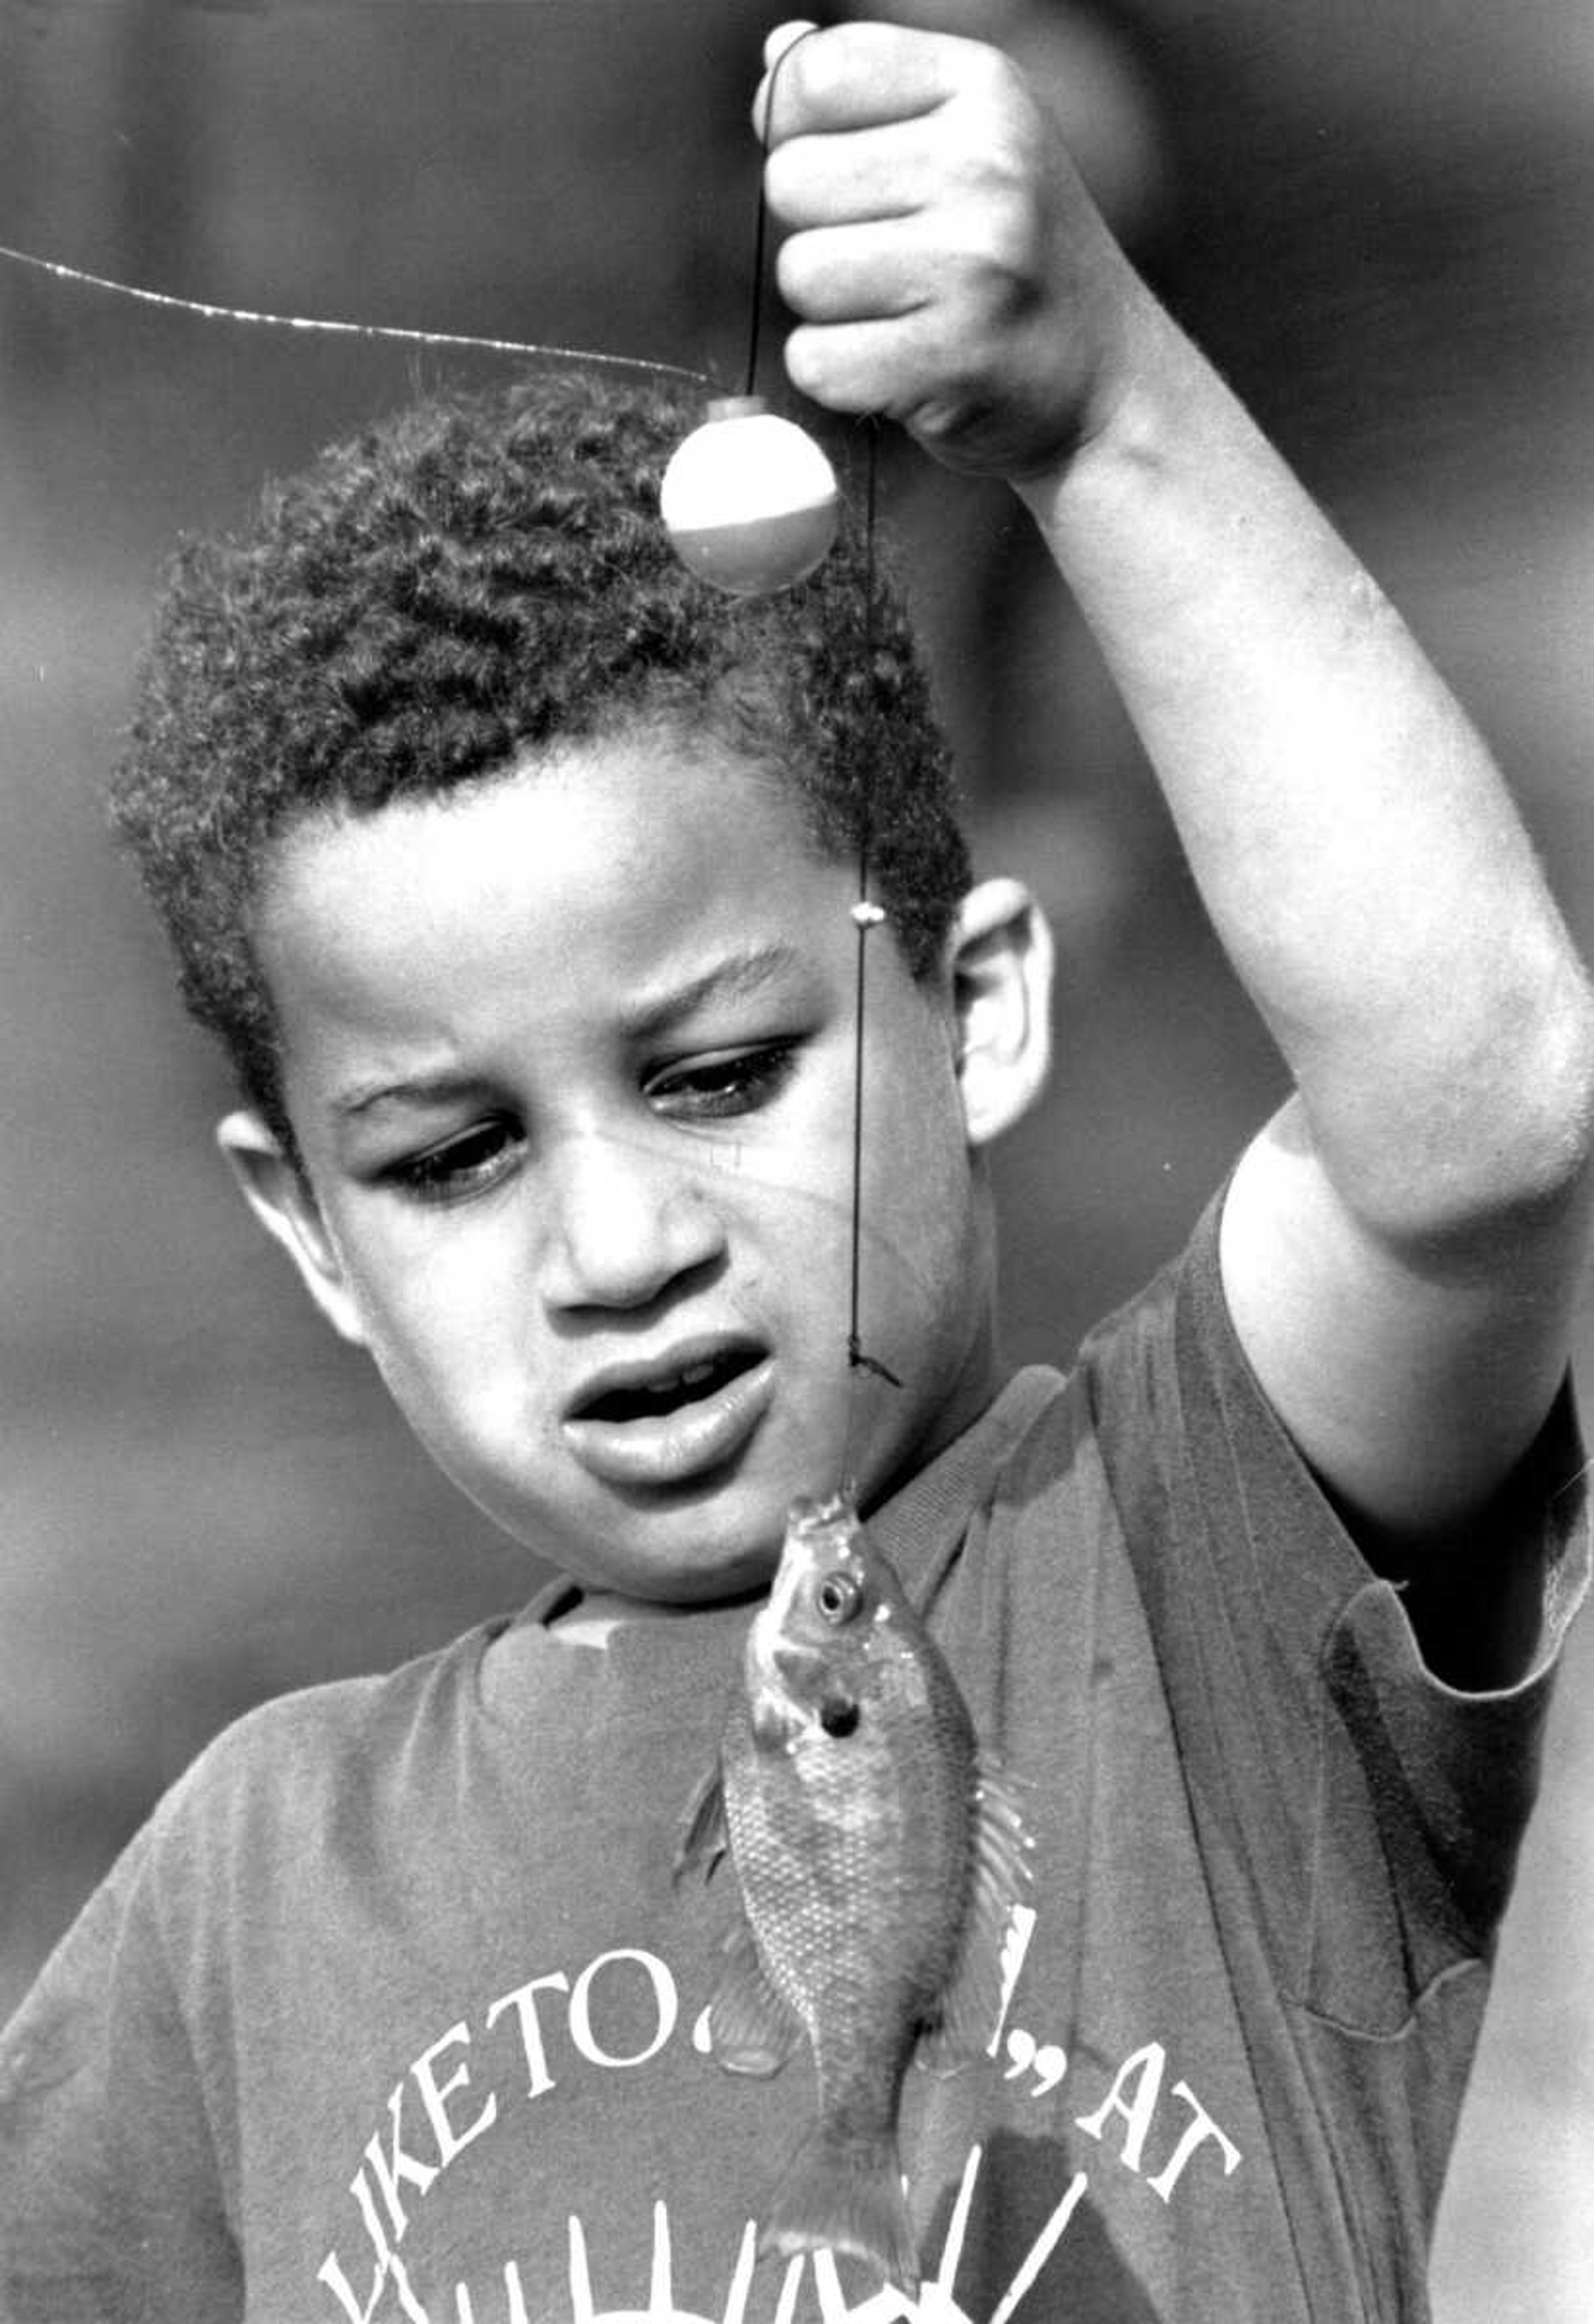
x: 879, y: 1857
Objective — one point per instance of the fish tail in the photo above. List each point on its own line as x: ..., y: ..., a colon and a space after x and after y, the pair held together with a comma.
x: 845, y: 2196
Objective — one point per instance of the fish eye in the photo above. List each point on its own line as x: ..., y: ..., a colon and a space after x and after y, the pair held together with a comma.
x: 838, y: 1598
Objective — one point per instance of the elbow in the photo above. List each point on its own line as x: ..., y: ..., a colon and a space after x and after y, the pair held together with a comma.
x: 1513, y: 1160
x: 1552, y: 1152
x: 1483, y: 1158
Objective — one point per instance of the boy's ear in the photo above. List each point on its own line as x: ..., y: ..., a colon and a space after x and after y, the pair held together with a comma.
x: 279, y: 1198
x: 999, y: 953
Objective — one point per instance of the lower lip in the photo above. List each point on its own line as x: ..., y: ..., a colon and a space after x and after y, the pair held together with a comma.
x: 675, y: 1447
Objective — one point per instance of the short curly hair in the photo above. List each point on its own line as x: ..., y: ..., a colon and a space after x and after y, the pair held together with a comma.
x: 480, y: 576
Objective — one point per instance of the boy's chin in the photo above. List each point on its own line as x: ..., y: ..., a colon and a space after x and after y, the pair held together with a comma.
x: 673, y: 1560
x: 667, y: 1590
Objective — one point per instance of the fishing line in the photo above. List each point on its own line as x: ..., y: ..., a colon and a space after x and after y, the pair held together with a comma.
x: 867, y: 916
x: 760, y: 235
x: 867, y: 913
x: 210, y: 312
x: 762, y: 220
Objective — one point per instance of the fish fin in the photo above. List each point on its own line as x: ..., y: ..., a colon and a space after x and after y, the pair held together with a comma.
x: 753, y: 2028
x: 845, y: 2198
x: 704, y: 1834
x: 965, y: 2021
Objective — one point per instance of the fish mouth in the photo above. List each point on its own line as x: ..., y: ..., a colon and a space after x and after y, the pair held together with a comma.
x: 674, y: 1416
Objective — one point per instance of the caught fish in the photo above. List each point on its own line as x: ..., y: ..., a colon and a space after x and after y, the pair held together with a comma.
x: 878, y: 1858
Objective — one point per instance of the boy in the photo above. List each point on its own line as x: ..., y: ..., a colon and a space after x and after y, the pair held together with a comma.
x: 518, y: 876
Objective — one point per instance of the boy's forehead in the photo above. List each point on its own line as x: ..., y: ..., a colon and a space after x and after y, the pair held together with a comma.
x: 634, y: 848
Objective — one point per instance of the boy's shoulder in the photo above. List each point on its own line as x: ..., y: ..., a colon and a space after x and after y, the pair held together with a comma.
x: 322, y: 1756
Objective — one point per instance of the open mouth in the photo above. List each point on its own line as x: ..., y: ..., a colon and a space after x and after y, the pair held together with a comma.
x: 657, y: 1395
x: 660, y: 1424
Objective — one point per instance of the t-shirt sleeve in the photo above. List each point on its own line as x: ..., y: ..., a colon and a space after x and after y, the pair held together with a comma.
x: 1365, y: 1814
x: 111, y: 2207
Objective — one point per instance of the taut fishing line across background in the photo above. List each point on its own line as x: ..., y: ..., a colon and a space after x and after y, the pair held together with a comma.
x: 209, y: 312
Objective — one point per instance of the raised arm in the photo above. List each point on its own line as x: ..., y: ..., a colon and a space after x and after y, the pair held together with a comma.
x: 1401, y: 1244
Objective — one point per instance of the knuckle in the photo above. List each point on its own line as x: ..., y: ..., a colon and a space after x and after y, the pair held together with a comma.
x: 979, y: 290
x: 997, y: 126
x: 806, y: 366
x: 985, y: 72
x: 797, y: 274
x: 997, y: 168
x: 992, y: 224
x: 825, y: 363
x: 985, y: 98
x: 787, y: 180
x: 1007, y: 252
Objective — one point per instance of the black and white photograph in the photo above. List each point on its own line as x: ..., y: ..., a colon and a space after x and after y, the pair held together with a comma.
x: 798, y: 1161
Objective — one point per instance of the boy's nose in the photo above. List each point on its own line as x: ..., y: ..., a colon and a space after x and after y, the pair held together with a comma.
x: 620, y: 1223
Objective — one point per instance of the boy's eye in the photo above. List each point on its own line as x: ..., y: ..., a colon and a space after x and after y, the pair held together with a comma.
x: 712, y: 1087
x: 458, y: 1167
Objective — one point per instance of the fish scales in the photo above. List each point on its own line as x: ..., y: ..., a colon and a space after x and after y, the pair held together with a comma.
x: 878, y: 1859
x: 851, y: 1875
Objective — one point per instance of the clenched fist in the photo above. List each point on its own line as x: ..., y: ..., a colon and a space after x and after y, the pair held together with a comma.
x: 948, y: 266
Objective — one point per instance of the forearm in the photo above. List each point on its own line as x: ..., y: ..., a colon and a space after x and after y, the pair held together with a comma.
x: 1359, y: 854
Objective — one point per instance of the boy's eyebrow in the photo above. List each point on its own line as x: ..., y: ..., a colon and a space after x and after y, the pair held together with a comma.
x: 737, y: 975
x: 421, y: 1088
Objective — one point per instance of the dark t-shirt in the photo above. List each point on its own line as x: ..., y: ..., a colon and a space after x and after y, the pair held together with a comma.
x: 394, y: 2010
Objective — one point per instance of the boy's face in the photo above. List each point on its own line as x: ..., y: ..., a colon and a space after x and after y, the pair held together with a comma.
x: 570, y: 1061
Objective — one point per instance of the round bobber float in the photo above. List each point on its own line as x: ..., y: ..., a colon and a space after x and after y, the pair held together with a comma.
x: 749, y: 500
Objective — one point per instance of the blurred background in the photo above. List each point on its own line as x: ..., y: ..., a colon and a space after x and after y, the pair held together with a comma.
x: 1377, y: 217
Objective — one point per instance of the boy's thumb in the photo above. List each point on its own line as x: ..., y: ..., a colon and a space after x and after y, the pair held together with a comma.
x: 784, y: 37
